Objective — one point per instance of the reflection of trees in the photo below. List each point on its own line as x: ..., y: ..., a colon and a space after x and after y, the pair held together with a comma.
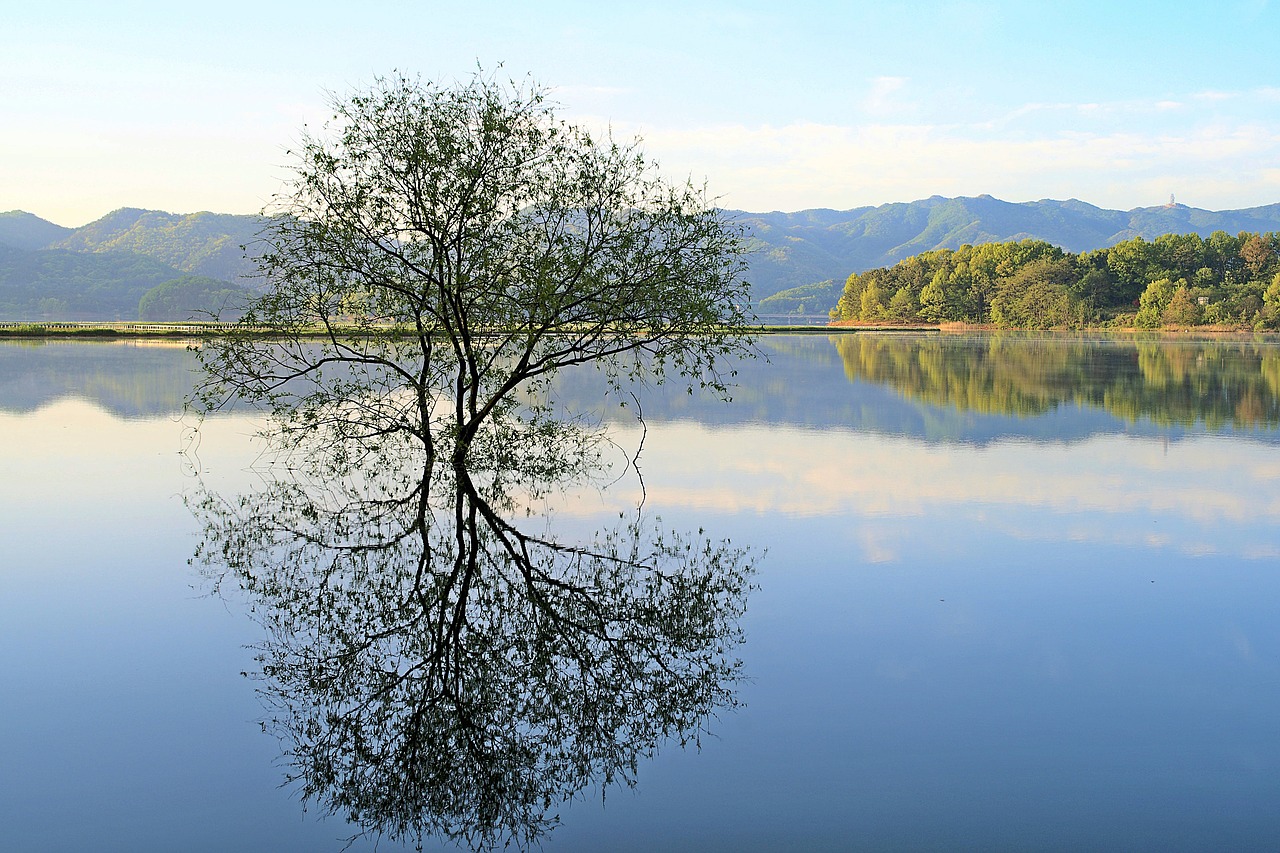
x: 435, y: 668
x: 133, y: 379
x: 1169, y: 382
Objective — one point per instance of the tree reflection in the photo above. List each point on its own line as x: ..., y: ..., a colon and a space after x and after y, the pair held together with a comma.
x: 1168, y: 382
x: 435, y: 668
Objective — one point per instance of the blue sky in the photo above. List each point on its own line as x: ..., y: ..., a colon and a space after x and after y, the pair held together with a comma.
x: 776, y: 106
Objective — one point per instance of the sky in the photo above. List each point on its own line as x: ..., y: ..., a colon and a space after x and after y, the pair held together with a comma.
x: 775, y: 106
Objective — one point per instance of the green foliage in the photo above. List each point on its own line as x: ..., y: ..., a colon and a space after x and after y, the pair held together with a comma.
x: 1182, y: 310
x: 903, y: 305
x: 192, y: 297
x: 942, y: 299
x: 56, y: 284
x: 475, y: 244
x: 207, y: 244
x: 1151, y: 305
x: 1036, y: 296
x: 1175, y: 280
x: 1130, y: 264
x: 1271, y: 296
x: 872, y: 303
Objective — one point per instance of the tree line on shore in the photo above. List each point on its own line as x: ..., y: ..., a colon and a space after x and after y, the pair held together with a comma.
x: 1175, y: 280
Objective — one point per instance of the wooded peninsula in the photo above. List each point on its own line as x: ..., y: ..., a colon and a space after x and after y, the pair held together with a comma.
x: 1173, y: 281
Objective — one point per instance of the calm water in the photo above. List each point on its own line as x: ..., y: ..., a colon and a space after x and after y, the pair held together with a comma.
x: 1018, y: 593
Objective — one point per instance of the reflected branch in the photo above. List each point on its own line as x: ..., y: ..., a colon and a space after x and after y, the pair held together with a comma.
x: 435, y: 670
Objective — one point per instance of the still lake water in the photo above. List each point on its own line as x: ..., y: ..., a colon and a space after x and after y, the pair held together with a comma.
x: 1017, y: 592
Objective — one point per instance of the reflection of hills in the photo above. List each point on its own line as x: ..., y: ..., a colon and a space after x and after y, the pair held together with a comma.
x: 970, y: 388
x: 127, y: 379
x: 978, y: 388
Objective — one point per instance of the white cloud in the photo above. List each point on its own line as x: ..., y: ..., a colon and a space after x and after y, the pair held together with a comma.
x: 886, y: 95
x: 1203, y: 503
x: 1214, y: 149
x: 791, y: 167
x: 1215, y: 95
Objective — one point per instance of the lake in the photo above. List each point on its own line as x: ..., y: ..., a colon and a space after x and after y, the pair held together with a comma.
x: 1011, y: 592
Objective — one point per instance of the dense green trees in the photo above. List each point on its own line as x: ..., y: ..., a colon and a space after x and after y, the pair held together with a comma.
x: 1173, y: 280
x: 191, y: 297
x: 56, y: 284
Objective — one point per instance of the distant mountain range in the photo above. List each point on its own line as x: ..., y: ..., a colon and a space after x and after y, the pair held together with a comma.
x: 798, y: 261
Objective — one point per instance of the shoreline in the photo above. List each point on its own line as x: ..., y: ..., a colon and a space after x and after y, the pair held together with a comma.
x: 129, y: 330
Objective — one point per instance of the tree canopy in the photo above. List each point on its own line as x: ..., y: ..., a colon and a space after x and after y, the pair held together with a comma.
x: 456, y: 243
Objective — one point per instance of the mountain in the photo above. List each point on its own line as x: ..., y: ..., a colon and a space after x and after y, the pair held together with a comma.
x: 798, y: 250
x: 22, y: 230
x: 102, y: 270
x: 798, y: 261
x: 207, y: 244
x: 57, y: 284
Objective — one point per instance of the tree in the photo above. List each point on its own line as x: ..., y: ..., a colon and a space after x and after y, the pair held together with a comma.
x: 1036, y: 296
x: 1179, y: 255
x: 1154, y: 300
x: 451, y: 245
x: 1182, y: 310
x: 433, y: 668
x: 1222, y: 254
x: 872, y: 302
x: 849, y: 306
x: 943, y: 298
x: 1130, y: 264
x: 903, y: 304
x: 1256, y: 253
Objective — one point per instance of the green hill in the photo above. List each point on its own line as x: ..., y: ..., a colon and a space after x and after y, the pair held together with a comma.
x: 208, y: 244
x: 192, y: 297
x: 56, y: 284
x: 22, y: 230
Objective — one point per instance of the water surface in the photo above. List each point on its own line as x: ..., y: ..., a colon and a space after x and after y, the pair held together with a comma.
x: 1019, y: 592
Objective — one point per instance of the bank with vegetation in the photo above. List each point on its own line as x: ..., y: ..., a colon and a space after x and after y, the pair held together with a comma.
x: 1173, y: 281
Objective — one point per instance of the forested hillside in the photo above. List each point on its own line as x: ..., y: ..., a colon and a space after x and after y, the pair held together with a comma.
x: 22, y: 230
x: 208, y: 244
x: 1174, y: 280
x: 55, y: 284
x: 803, y: 249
